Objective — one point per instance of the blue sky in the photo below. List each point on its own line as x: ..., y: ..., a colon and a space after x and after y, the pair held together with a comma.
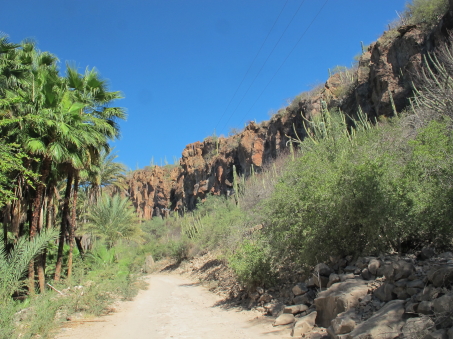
x: 180, y: 62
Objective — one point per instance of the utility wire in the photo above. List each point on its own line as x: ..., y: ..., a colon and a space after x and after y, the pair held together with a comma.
x: 253, y: 61
x: 256, y: 76
x: 292, y: 50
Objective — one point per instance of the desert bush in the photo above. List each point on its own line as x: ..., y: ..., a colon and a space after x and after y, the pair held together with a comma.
x: 368, y: 192
x: 425, y: 11
x: 252, y: 264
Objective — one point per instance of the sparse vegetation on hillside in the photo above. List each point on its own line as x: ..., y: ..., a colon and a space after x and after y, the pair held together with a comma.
x: 425, y: 11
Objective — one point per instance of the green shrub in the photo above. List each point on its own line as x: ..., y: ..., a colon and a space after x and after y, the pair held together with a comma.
x: 252, y: 264
x: 368, y: 192
x: 426, y: 11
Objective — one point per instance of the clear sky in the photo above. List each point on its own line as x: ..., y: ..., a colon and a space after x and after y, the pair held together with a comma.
x: 191, y: 68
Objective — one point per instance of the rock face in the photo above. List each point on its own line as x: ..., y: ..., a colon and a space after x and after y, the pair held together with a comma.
x: 151, y: 191
x: 384, y: 73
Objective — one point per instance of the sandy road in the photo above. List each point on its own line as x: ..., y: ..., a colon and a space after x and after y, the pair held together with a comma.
x: 174, y: 307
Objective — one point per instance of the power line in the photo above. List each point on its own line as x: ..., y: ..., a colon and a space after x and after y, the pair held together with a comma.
x: 253, y: 61
x: 272, y: 51
x: 292, y: 50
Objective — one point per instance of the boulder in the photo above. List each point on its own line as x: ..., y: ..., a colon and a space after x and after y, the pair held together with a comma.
x: 284, y: 319
x: 412, y: 291
x: 366, y: 274
x: 254, y: 296
x: 411, y: 307
x: 426, y: 253
x: 352, y: 269
x: 428, y: 293
x: 347, y: 276
x: 374, y: 265
x: 265, y: 298
x: 398, y: 270
x: 400, y: 293
x: 274, y: 308
x: 443, y: 304
x: 339, y: 298
x: 295, y: 309
x: 417, y: 327
x: 303, y: 299
x: 388, y: 320
x: 343, y: 323
x: 362, y: 263
x: 425, y: 307
x: 439, y: 334
x: 385, y: 292
x: 304, y: 325
x: 450, y: 333
x: 323, y: 269
x: 441, y: 276
x: 333, y: 278
x: 299, y: 289
x: 415, y: 284
x: 321, y: 281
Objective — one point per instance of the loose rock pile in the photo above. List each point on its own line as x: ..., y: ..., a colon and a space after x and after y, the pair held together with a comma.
x: 369, y: 297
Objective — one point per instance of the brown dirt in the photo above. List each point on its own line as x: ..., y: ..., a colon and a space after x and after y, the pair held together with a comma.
x: 176, y: 307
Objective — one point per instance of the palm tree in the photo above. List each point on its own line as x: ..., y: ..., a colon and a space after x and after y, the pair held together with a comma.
x: 91, y: 93
x: 14, y: 264
x: 112, y: 219
x: 108, y: 173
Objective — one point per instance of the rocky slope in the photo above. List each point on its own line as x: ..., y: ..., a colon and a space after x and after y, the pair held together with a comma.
x: 383, y: 74
x: 388, y: 296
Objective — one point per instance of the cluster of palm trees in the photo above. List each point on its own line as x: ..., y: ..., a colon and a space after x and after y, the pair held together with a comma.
x: 58, y: 126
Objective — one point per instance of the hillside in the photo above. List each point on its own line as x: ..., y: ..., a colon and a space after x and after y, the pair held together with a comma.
x: 384, y: 73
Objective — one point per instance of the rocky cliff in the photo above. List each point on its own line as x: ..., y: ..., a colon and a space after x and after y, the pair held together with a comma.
x: 384, y: 74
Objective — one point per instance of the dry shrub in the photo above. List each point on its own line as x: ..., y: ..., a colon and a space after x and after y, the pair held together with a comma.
x: 260, y: 185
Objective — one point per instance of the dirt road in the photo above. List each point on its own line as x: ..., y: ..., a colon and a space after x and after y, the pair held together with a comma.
x: 174, y: 307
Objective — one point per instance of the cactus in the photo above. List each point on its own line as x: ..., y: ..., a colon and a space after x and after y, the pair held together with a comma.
x: 395, y: 113
x: 235, y: 185
x: 291, y: 149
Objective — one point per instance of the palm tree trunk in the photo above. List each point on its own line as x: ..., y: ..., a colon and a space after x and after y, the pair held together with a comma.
x: 38, y: 263
x: 36, y: 210
x: 64, y: 222
x: 42, y: 258
x: 73, y: 221
x: 6, y: 221
x: 16, y: 214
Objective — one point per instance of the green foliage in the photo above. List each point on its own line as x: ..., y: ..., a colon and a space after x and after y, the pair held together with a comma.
x: 370, y: 192
x: 13, y: 265
x: 252, y: 264
x: 426, y: 11
x: 112, y: 219
x: 11, y: 166
x: 96, y: 284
